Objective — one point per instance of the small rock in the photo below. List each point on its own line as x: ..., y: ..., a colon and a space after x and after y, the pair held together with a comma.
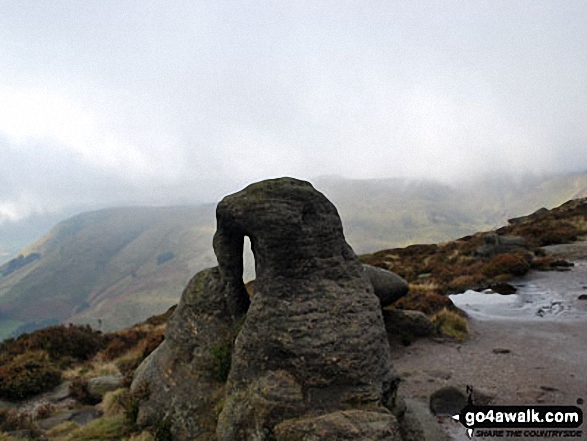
x: 448, y: 400
x: 99, y: 386
x: 583, y: 297
x: 60, y: 393
x: 501, y: 351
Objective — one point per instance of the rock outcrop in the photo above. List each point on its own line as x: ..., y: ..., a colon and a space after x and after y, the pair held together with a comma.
x: 313, y: 340
x: 495, y: 244
x: 311, y: 359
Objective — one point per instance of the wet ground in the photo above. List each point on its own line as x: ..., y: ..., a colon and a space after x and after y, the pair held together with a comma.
x: 527, y: 348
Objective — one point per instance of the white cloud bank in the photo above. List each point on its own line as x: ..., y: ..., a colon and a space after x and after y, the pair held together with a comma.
x: 152, y: 102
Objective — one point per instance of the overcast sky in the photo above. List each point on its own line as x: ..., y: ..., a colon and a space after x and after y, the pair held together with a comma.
x: 109, y: 102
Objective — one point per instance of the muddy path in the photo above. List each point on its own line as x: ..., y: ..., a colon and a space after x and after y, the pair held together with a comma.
x: 531, y: 349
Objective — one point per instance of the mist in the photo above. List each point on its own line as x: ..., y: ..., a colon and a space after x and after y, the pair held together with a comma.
x: 146, y: 102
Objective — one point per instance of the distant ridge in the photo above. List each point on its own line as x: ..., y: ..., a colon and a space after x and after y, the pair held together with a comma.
x: 112, y: 268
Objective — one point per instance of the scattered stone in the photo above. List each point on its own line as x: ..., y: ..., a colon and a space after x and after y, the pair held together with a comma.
x: 503, y: 288
x: 99, y: 386
x: 388, y: 286
x: 549, y: 389
x: 448, y: 400
x: 501, y: 351
x: 407, y: 324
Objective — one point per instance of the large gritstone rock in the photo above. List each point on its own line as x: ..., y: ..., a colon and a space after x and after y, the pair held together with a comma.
x: 313, y: 341
x: 179, y: 385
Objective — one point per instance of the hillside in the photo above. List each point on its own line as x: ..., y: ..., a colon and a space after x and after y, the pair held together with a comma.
x: 91, y: 267
x: 114, y: 267
x: 387, y: 213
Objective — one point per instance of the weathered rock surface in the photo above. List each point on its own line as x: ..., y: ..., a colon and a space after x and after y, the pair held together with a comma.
x: 313, y: 337
x: 387, y: 285
x: 176, y: 383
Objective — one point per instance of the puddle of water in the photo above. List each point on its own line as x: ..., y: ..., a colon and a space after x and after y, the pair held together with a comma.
x: 531, y: 302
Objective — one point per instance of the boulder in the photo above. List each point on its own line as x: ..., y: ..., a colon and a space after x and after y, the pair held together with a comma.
x: 387, y: 286
x: 179, y: 383
x: 494, y: 244
x: 313, y: 339
x: 407, y: 323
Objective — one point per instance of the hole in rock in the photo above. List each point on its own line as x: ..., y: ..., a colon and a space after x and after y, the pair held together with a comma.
x: 248, y: 261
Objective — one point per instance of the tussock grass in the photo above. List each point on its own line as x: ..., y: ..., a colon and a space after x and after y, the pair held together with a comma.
x: 91, y: 370
x: 451, y: 324
x: 114, y: 403
x: 102, y: 429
